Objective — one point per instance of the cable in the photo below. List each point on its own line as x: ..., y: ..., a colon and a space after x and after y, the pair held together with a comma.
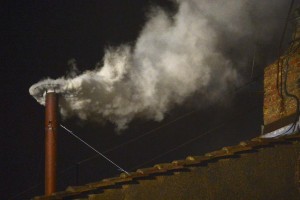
x: 81, y: 140
x: 24, y: 191
x: 280, y: 70
x: 253, y: 63
x: 140, y: 136
x: 36, y: 181
x: 40, y: 164
x: 280, y: 47
x: 286, y: 61
x: 255, y: 79
x: 193, y: 139
x: 161, y: 155
x: 38, y: 184
x: 153, y: 130
x: 148, y: 161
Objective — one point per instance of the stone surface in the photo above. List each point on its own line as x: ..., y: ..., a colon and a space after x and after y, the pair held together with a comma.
x: 276, y: 108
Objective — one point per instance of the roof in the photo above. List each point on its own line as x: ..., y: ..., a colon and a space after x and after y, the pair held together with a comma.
x: 168, y: 169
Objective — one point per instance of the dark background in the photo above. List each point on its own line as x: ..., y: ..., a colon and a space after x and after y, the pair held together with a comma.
x: 39, y: 37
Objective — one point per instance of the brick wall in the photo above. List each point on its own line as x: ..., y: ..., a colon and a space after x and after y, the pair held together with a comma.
x: 279, y: 111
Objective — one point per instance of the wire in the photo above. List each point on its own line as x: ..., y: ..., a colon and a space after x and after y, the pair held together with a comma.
x: 255, y: 79
x: 194, y: 139
x: 279, y: 50
x: 286, y: 61
x: 280, y: 70
x: 36, y: 181
x: 141, y: 136
x: 73, y: 134
x: 253, y: 63
x: 38, y: 184
x: 148, y: 161
x: 153, y: 130
x: 40, y: 164
x: 24, y: 191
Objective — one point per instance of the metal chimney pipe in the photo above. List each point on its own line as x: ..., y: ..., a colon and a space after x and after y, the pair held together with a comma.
x: 51, y: 122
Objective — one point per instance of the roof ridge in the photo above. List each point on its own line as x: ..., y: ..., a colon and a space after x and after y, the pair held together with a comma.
x: 176, y: 165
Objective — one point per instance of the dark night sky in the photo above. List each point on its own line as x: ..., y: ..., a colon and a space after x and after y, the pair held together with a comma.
x: 38, y: 38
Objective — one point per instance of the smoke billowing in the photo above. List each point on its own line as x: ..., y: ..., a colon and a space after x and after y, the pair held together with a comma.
x: 201, y: 49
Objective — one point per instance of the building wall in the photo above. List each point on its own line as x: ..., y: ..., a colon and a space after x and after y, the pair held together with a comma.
x: 281, y: 111
x: 270, y: 173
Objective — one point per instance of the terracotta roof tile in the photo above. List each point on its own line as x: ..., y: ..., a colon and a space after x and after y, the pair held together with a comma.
x: 118, y: 179
x: 192, y: 160
x: 79, y: 189
x: 162, y: 168
x: 65, y: 194
x: 151, y: 170
x: 101, y: 184
x: 105, y: 183
x: 267, y: 140
x: 255, y: 143
x: 179, y: 162
x: 57, y: 195
x: 219, y: 154
x: 236, y: 149
x: 132, y: 175
x: 168, y: 166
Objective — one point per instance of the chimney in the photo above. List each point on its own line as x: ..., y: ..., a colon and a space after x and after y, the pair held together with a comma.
x: 282, y: 85
x: 51, y: 107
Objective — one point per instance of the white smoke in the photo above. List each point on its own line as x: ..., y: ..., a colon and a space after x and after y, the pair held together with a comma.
x: 199, y: 49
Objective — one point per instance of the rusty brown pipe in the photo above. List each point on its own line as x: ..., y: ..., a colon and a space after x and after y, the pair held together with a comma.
x: 51, y: 122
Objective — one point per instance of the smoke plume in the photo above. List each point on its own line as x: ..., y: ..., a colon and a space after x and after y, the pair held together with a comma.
x: 201, y: 49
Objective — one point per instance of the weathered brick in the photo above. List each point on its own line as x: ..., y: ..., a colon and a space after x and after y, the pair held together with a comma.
x: 276, y: 108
